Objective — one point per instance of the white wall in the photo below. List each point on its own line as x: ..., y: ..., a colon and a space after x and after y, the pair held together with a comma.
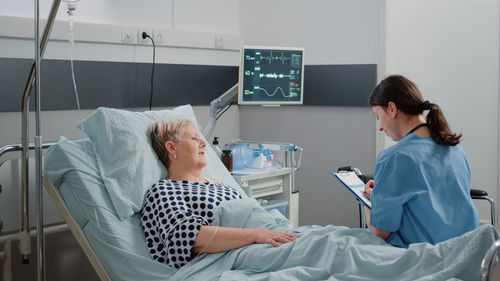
x: 332, y: 32
x: 193, y: 15
x: 219, y: 16
x: 450, y: 49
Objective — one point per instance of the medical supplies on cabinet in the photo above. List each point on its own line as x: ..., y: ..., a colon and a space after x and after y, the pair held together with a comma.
x: 266, y: 171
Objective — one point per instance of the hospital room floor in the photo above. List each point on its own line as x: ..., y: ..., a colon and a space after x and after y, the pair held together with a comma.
x: 64, y: 260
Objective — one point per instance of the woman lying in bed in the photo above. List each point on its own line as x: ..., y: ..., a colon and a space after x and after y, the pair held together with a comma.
x: 179, y: 209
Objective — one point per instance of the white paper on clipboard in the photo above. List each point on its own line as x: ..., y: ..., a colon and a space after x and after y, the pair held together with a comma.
x: 354, y: 184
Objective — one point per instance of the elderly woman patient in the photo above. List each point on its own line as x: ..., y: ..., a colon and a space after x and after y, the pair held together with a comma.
x: 179, y: 209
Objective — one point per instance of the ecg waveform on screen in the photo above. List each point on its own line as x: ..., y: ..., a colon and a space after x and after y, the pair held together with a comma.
x: 247, y: 92
x: 268, y: 75
x: 270, y: 58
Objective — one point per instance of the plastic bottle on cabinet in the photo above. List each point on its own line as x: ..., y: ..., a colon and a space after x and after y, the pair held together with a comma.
x: 227, y: 159
x: 215, y: 146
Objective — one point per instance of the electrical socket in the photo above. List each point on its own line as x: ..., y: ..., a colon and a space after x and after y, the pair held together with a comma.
x: 159, y: 35
x: 140, y: 30
x: 128, y: 34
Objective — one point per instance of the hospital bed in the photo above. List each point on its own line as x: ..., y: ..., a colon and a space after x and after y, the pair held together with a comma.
x: 98, y: 185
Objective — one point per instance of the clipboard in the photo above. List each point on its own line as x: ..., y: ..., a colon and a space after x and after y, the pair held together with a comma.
x: 354, y: 184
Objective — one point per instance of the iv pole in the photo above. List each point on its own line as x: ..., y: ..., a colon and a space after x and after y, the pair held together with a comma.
x: 34, y: 77
x: 38, y: 150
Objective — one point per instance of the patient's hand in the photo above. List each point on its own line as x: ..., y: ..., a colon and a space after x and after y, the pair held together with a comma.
x: 266, y: 236
x: 215, y: 239
x: 368, y: 188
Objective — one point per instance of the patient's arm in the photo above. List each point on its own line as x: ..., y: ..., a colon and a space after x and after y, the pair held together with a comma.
x: 229, y: 238
x: 375, y: 231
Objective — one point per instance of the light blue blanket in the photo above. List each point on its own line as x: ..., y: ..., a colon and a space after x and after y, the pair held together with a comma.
x: 335, y: 253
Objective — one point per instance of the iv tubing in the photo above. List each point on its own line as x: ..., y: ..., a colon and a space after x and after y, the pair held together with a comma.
x: 71, y: 46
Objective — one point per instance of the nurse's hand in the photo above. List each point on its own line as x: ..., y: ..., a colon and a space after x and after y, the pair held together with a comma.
x: 368, y: 188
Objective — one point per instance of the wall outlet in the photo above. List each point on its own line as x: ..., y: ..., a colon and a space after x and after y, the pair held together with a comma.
x: 140, y: 30
x: 129, y: 34
x: 159, y: 35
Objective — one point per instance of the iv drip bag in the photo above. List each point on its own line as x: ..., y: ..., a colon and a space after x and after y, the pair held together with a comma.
x: 71, y: 4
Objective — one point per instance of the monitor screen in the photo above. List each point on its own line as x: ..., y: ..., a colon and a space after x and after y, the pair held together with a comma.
x: 270, y: 75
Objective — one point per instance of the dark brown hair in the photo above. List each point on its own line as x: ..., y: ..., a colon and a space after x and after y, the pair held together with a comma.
x: 409, y: 100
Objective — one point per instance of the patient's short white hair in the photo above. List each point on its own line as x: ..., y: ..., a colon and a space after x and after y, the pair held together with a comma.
x: 162, y: 131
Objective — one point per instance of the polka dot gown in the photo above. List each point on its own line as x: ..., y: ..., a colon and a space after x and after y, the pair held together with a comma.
x: 174, y: 213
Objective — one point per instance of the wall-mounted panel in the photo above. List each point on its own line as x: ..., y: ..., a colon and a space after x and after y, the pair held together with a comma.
x: 339, y: 85
x: 125, y: 84
x: 114, y: 84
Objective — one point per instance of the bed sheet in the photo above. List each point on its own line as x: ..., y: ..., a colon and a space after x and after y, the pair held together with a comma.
x: 336, y: 253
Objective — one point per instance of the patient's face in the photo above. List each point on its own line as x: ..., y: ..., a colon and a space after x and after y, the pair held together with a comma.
x: 386, y: 123
x: 190, y: 149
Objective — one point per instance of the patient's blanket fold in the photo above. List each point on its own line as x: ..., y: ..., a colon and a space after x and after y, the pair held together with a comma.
x: 335, y: 253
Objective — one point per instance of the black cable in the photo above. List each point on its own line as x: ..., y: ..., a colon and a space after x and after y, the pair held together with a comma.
x: 222, y: 111
x: 144, y: 36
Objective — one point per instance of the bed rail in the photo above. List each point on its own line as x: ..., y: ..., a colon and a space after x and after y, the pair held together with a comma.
x: 489, y: 260
x: 12, y: 152
x: 17, y: 148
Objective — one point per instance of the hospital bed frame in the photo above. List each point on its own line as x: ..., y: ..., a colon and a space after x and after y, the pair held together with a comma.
x: 7, y: 153
x: 76, y: 229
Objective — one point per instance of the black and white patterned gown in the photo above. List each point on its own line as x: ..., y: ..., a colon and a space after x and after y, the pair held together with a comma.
x: 173, y: 214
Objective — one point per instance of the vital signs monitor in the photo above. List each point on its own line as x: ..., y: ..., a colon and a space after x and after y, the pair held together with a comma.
x: 271, y: 76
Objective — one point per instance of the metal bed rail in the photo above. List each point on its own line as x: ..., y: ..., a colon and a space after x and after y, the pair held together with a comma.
x: 13, y: 152
x: 9, y: 148
x: 489, y: 260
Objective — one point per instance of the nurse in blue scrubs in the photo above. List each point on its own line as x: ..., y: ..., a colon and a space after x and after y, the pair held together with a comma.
x: 421, y: 186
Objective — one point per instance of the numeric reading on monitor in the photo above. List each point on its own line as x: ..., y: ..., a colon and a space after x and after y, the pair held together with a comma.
x: 272, y: 76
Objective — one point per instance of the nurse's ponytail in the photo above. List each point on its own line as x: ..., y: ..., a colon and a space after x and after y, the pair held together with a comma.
x: 438, y: 127
x: 409, y: 100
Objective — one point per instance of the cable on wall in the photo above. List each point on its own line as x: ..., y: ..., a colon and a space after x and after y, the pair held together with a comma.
x: 144, y: 36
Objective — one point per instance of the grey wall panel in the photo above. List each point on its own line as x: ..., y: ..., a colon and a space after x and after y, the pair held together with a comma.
x: 114, y: 84
x: 122, y: 84
x: 339, y: 85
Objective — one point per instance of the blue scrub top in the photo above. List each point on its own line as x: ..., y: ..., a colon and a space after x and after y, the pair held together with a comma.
x: 422, y: 192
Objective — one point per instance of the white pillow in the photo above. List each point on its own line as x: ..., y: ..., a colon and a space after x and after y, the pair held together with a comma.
x: 126, y: 159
